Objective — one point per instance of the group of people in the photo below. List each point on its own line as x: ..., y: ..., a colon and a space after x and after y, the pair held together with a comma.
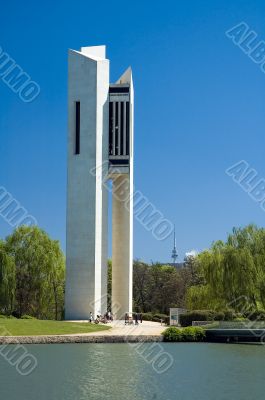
x: 130, y: 318
x: 107, y: 317
x: 135, y: 318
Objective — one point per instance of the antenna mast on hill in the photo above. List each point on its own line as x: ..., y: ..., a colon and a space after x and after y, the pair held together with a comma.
x: 174, y: 255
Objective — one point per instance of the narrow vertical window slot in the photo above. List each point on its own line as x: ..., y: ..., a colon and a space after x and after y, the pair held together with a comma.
x: 124, y: 128
x: 114, y: 128
x: 117, y: 129
x: 121, y: 130
x: 111, y: 128
x: 127, y: 128
x: 77, y: 127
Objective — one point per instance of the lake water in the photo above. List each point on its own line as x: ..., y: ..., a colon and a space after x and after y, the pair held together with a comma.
x: 118, y: 371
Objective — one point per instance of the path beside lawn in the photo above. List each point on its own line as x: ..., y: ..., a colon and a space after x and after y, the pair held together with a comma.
x: 119, y: 328
x: 47, y: 332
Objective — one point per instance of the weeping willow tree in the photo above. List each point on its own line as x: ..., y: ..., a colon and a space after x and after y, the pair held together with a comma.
x: 233, y: 273
x: 7, y: 281
x: 39, y: 273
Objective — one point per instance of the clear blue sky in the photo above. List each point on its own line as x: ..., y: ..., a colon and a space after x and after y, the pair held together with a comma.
x: 200, y: 107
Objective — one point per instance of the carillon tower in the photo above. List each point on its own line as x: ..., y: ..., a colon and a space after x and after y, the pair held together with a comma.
x: 100, y: 148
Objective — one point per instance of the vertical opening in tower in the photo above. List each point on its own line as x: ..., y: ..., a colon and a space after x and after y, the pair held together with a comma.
x: 77, y: 127
x: 119, y: 124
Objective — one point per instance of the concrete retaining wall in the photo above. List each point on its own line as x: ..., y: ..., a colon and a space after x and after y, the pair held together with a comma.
x: 60, y: 339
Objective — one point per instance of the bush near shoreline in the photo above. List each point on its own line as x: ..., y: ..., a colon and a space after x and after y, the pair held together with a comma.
x: 188, y: 334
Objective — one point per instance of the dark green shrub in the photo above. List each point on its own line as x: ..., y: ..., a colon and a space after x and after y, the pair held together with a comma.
x: 229, y: 315
x: 147, y: 316
x: 219, y: 316
x: 201, y: 315
x: 199, y: 334
x: 155, y: 317
x: 186, y: 319
x: 25, y: 316
x: 16, y: 314
x: 193, y: 334
x: 238, y: 316
x: 158, y: 317
x: 3, y: 316
x: 188, y: 334
x: 240, y: 319
x: 256, y: 315
x: 172, y: 334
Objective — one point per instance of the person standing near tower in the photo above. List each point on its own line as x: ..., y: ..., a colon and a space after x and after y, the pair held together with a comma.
x: 91, y: 319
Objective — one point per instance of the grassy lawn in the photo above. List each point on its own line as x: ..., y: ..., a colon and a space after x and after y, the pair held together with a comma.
x: 31, y: 327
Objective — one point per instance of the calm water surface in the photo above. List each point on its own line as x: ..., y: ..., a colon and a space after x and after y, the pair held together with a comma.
x: 116, y: 371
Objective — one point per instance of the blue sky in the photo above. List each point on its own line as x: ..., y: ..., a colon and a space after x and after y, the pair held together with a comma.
x: 199, y: 108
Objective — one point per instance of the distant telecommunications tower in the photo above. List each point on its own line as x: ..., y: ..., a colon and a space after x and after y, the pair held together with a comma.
x: 100, y: 148
x: 174, y: 255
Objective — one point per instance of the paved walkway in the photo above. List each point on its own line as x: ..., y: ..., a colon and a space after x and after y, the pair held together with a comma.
x: 118, y: 328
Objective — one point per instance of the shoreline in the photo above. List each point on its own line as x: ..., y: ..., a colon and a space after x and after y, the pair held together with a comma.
x: 147, y: 332
x: 62, y: 339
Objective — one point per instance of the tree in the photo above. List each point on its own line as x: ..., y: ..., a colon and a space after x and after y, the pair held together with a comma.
x: 141, y: 286
x: 7, y: 280
x: 157, y: 287
x: 232, y: 273
x: 40, y: 272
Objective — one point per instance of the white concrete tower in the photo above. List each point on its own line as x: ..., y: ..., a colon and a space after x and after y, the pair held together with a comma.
x: 86, y: 246
x: 100, y: 147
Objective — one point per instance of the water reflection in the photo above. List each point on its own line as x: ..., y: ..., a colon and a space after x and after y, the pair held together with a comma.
x: 116, y: 371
